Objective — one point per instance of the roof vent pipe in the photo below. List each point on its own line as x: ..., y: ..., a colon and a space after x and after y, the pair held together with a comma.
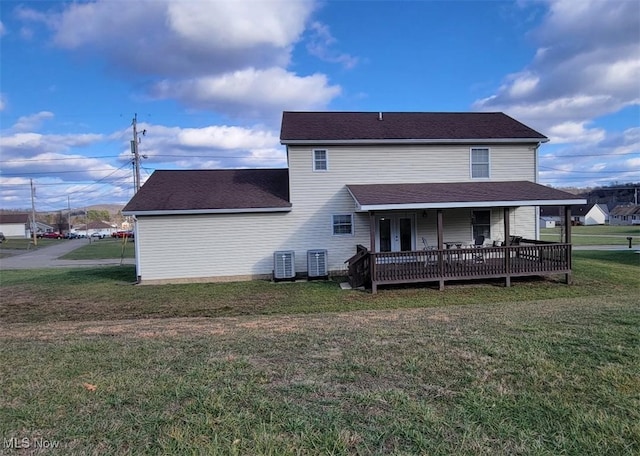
x: 380, y: 116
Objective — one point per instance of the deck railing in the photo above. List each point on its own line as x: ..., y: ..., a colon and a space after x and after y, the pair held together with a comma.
x: 529, y: 258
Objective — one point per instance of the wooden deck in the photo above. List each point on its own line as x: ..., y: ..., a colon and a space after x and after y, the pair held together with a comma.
x: 528, y: 259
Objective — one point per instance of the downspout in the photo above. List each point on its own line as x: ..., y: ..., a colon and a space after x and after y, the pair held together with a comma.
x: 136, y: 246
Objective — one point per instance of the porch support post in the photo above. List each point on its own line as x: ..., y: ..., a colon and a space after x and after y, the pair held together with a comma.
x: 507, y: 251
x: 440, y: 235
x: 372, y: 232
x: 372, y: 245
x: 439, y: 229
x: 567, y: 240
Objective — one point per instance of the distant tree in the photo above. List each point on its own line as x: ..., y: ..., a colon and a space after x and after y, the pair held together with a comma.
x: 60, y: 222
x: 98, y: 215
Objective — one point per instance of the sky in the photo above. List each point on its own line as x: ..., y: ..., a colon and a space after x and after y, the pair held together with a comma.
x: 208, y: 80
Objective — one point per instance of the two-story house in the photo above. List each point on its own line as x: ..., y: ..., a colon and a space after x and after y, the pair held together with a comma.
x: 387, y: 197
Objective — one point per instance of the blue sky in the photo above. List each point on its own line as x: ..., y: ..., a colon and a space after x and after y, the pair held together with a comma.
x: 209, y: 80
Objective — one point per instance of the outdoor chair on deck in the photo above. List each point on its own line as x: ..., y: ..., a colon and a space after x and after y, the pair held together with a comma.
x: 477, y: 244
x: 431, y: 257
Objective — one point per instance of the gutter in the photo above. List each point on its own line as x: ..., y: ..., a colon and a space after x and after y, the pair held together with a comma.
x: 320, y: 142
x: 209, y: 211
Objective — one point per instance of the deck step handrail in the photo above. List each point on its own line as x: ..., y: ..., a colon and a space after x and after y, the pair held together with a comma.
x: 359, y: 272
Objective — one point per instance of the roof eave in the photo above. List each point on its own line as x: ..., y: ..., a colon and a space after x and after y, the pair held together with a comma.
x: 208, y: 211
x: 302, y: 142
x: 463, y: 204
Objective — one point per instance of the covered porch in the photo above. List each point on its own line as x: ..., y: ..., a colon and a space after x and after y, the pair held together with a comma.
x: 396, y: 254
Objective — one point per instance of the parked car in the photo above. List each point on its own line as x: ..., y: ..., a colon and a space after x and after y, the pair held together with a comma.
x: 50, y: 235
x: 122, y: 234
x: 71, y: 236
x: 98, y: 235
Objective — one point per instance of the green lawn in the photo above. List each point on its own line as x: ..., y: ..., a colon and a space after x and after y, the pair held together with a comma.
x: 595, y: 235
x: 21, y: 243
x: 306, y: 368
x: 100, y: 249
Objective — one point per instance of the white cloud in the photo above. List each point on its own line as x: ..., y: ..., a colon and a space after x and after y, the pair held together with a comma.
x: 32, y: 122
x: 321, y: 43
x: 522, y: 85
x: 587, y: 66
x: 24, y: 145
x: 225, y: 137
x: 252, y: 92
x: 179, y: 39
x: 574, y: 132
x: 230, y: 57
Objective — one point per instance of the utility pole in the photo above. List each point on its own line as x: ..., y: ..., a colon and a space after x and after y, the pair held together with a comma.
x: 33, y: 214
x: 68, y: 214
x: 136, y: 155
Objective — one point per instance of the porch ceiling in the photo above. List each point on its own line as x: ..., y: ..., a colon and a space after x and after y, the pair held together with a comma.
x: 376, y: 197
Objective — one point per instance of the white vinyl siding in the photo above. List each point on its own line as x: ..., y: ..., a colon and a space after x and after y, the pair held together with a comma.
x: 320, y: 160
x: 480, y: 163
x: 242, y: 245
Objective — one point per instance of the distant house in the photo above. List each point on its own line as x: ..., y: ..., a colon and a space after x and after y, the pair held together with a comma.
x: 365, y: 194
x: 96, y: 227
x: 15, y: 225
x: 547, y: 222
x: 625, y: 215
x: 581, y: 214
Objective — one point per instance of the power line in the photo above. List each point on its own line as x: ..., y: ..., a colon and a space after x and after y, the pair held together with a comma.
x: 586, y: 172
x: 20, y: 160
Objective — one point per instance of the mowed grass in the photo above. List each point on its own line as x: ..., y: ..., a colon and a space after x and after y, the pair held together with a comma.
x: 107, y: 293
x: 22, y: 243
x: 595, y: 235
x: 100, y: 249
x: 306, y: 368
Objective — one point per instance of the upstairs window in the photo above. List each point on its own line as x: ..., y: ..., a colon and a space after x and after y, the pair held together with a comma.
x: 479, y: 163
x: 320, y: 160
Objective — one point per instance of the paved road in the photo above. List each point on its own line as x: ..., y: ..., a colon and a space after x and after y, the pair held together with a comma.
x: 47, y: 257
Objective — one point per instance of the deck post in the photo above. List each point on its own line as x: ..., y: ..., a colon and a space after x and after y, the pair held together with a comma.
x: 439, y: 229
x: 567, y: 240
x: 507, y: 250
x: 440, y: 235
x: 372, y: 231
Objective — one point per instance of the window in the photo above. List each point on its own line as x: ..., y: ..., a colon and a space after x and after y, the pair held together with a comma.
x: 479, y: 163
x: 320, y: 160
x: 481, y: 223
x: 342, y: 224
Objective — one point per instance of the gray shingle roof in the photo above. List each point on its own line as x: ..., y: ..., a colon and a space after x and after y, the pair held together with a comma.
x: 625, y: 209
x: 212, y: 191
x: 14, y: 218
x: 403, y: 126
x: 459, y: 194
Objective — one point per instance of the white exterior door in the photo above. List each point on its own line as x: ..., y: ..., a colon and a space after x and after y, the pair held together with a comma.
x: 395, y: 233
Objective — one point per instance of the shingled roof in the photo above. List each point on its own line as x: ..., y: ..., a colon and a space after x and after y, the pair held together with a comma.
x: 13, y: 218
x: 457, y: 194
x: 212, y: 191
x: 332, y: 127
